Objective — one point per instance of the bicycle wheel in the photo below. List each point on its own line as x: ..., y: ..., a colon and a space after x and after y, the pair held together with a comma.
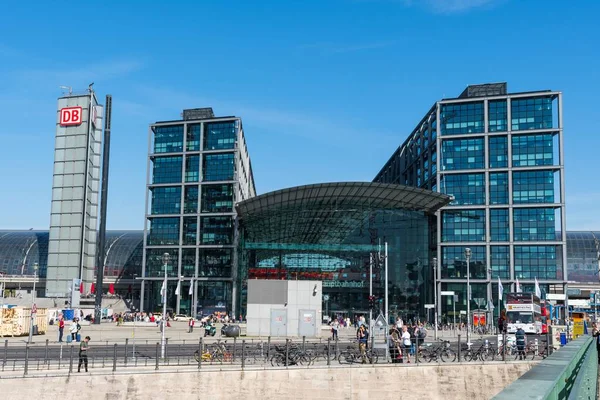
x: 277, y: 360
x: 424, y: 355
x: 487, y: 354
x: 447, y: 355
x: 197, y: 356
x: 467, y: 355
x: 372, y: 357
x: 346, y: 357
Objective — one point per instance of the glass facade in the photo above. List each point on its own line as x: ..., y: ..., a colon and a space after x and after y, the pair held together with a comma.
x: 531, y: 113
x: 460, y: 118
x: 216, y: 230
x: 533, y: 187
x: 463, y: 226
x: 498, y: 188
x: 163, y: 231
x: 188, y: 263
x: 166, y: 200
x: 218, y: 167
x: 217, y: 198
x: 454, y: 264
x: 216, y: 263
x: 463, y: 154
x: 219, y: 135
x: 535, y: 224
x: 166, y: 169
x: 500, y: 260
x: 499, y: 225
x: 498, y: 151
x: 155, y: 266
x: 541, y: 262
x: 582, y: 258
x: 190, y: 205
x: 193, y: 137
x: 497, y: 115
x: 192, y: 168
x: 168, y: 139
x: 190, y: 227
x: 467, y: 189
x: 533, y: 150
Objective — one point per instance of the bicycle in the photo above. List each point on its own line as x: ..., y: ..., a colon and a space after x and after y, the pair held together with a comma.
x: 295, y: 356
x: 443, y: 351
x: 511, y: 350
x: 534, y: 349
x: 485, y: 352
x: 352, y: 355
x: 218, y: 354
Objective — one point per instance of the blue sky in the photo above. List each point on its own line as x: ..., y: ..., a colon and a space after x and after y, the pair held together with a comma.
x: 327, y: 89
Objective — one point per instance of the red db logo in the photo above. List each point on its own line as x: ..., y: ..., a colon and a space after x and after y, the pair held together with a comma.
x: 70, y: 116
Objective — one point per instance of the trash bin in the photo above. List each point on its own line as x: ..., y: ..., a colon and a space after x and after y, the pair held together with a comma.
x: 232, y: 331
x: 35, y: 330
x: 563, y: 338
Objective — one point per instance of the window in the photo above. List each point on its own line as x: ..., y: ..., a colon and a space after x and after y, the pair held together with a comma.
x: 467, y: 189
x: 219, y: 135
x: 218, y: 167
x: 166, y: 170
x: 499, y: 225
x: 532, y: 113
x: 533, y: 150
x: 463, y: 226
x: 190, y: 225
x: 193, y: 137
x: 163, y: 231
x: 498, y: 149
x: 462, y: 154
x: 191, y: 200
x: 533, y: 187
x: 541, y: 262
x: 497, y: 116
x: 454, y: 264
x: 534, y: 224
x: 217, y: 198
x: 168, y: 139
x: 217, y: 230
x: 155, y: 266
x: 500, y: 260
x: 216, y: 263
x: 188, y: 263
x: 462, y: 118
x: 192, y: 168
x: 166, y: 200
x: 499, y: 188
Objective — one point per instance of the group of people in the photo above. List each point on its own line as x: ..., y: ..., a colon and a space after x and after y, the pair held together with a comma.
x: 402, y: 339
x: 74, y: 328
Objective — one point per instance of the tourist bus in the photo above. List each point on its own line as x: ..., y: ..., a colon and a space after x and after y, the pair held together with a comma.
x: 523, y: 310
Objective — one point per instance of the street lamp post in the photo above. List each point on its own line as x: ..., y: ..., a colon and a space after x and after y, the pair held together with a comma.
x: 3, y: 290
x: 435, y: 307
x: 468, y: 258
x: 35, y: 268
x: 165, y: 259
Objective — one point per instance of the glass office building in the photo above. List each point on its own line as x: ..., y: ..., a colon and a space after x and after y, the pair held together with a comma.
x: 500, y: 155
x: 198, y: 169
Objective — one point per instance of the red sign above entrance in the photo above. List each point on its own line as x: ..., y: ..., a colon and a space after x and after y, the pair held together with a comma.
x: 70, y: 116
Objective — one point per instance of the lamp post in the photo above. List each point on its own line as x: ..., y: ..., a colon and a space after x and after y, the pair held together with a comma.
x: 435, y: 307
x: 3, y: 275
x: 468, y: 258
x: 35, y: 268
x: 165, y: 259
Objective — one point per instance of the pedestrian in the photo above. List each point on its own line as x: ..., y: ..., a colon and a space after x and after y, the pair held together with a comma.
x: 363, y: 338
x: 520, y: 336
x: 84, y: 346
x: 61, y: 328
x: 335, y: 325
x: 191, y: 325
x: 596, y: 334
x: 502, y: 323
x: 406, y: 342
x: 73, y: 329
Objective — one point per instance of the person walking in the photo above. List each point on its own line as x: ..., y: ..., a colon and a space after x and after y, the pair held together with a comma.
x: 191, y: 325
x: 520, y: 337
x: 596, y: 334
x: 335, y: 326
x: 363, y: 338
x: 84, y: 346
x: 61, y: 328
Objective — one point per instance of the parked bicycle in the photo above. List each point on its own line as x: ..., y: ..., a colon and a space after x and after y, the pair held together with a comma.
x: 295, y: 356
x: 443, y: 352
x: 219, y: 353
x: 352, y: 355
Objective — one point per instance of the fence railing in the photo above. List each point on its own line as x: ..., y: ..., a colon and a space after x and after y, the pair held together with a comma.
x: 569, y: 373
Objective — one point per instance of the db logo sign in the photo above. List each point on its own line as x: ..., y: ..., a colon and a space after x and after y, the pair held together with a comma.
x: 70, y: 116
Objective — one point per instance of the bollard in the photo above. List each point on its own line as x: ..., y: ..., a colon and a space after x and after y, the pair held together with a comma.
x: 416, y: 349
x: 166, y: 360
x: 243, y: 354
x: 548, y: 342
x: 200, y: 352
x: 459, y: 349
x: 268, y: 346
x: 46, y: 354
x: 337, y: 350
x: 126, y: 345
x: 26, y: 360
x: 71, y: 360
x: 329, y: 351
x: 504, y: 346
x: 234, y: 346
x: 115, y: 357
x: 303, y: 343
x: 5, y: 354
x: 287, y: 351
x: 157, y: 355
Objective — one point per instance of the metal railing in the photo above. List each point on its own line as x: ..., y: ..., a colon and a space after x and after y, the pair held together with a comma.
x: 570, y: 373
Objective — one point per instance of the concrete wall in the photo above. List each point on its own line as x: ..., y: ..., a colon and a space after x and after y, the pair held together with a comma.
x: 287, y: 296
x: 460, y: 381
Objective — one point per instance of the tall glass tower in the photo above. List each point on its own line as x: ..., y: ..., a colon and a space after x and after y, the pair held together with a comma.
x: 198, y: 169
x: 501, y: 156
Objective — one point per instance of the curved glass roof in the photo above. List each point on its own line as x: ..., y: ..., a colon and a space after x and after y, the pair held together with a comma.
x: 328, y: 212
x: 582, y: 256
x: 19, y: 250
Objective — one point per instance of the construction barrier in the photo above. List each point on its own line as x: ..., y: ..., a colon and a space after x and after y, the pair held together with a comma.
x: 17, y: 320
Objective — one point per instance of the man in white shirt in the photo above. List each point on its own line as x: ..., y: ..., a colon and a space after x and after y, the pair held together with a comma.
x: 406, y: 342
